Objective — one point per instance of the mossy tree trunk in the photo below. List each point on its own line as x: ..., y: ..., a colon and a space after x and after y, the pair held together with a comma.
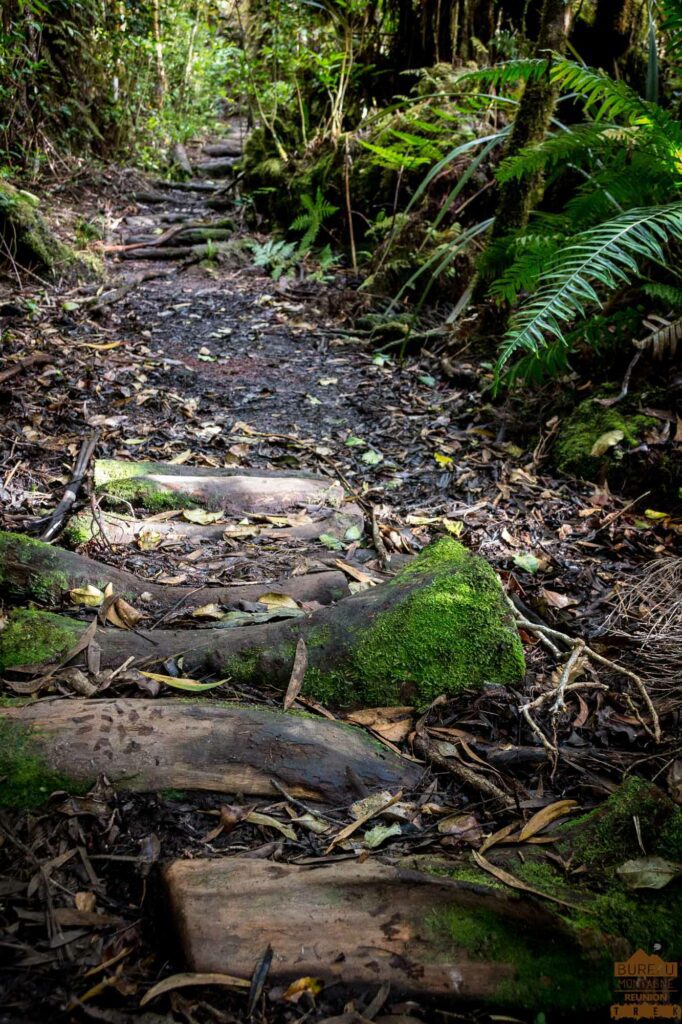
x: 517, y: 197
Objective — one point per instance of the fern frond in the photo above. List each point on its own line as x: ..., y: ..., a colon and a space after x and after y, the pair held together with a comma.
x: 604, y: 256
x: 576, y: 146
x: 531, y: 256
x: 667, y: 293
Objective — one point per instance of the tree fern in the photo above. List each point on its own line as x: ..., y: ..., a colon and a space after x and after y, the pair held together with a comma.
x: 603, y: 257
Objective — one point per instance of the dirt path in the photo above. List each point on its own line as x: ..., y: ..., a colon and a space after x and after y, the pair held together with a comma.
x: 218, y: 366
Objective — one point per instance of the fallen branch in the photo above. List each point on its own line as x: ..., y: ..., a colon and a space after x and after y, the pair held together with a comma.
x: 35, y: 359
x: 45, y: 573
x: 152, y: 745
x: 50, y: 526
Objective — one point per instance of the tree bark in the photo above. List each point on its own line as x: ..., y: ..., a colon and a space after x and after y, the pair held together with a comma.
x: 118, y: 530
x: 383, y: 924
x: 152, y: 745
x: 516, y: 198
x: 156, y: 485
x: 45, y: 573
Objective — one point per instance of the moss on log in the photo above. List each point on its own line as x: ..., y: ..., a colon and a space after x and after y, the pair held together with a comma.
x: 440, y: 626
x: 159, y: 486
x: 45, y: 573
x: 28, y: 238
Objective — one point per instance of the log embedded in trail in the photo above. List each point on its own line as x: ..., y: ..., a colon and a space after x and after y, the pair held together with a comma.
x: 161, y: 485
x: 440, y: 626
x: 229, y: 147
x: 118, y: 529
x: 179, y: 160
x: 217, y: 168
x: 379, y: 923
x: 152, y: 745
x: 45, y: 573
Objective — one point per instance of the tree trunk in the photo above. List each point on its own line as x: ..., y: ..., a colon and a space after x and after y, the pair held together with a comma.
x: 161, y: 79
x: 152, y: 745
x: 44, y: 573
x: 516, y: 198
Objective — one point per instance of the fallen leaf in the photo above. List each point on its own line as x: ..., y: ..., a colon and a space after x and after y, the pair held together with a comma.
x: 527, y: 562
x: 88, y: 596
x: 515, y: 883
x: 187, y: 980
x: 200, y: 516
x: 266, y: 821
x: 209, y: 611
x: 272, y: 600
x: 648, y: 872
x: 546, y: 816
x: 312, y: 986
x: 297, y: 673
x: 85, y: 901
x: 354, y: 442
x: 606, y: 441
x: 348, y: 831
x: 128, y: 615
x: 182, y: 684
x: 352, y: 533
x: 453, y: 526
x: 377, y: 835
x: 356, y: 574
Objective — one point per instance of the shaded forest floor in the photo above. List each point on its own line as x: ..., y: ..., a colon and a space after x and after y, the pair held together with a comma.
x: 218, y: 365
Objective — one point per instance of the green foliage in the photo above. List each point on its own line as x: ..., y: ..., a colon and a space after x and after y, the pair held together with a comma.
x: 277, y: 257
x: 310, y: 221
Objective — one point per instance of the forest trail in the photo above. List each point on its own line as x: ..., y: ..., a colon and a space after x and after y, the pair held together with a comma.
x: 306, y: 467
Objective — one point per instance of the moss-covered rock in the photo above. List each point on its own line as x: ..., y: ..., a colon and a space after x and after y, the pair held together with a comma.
x: 31, y: 637
x: 441, y: 626
x: 593, y: 440
x: 28, y: 237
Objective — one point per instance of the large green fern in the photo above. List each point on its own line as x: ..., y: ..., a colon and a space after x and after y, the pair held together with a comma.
x: 603, y: 257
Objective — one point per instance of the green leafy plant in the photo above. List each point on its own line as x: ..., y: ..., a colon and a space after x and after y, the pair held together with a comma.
x: 277, y: 257
x: 310, y: 220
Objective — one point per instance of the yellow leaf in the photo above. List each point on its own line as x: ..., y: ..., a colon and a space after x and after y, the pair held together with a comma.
x: 606, y: 441
x: 545, y: 817
x: 651, y: 514
x: 311, y: 985
x: 102, y: 346
x: 185, y: 980
x: 208, y: 611
x: 256, y: 818
x: 178, y: 460
x: 453, y: 526
x: 182, y: 684
x: 89, y: 596
x: 148, y: 540
x: 201, y: 516
x: 272, y: 600
x: 443, y: 460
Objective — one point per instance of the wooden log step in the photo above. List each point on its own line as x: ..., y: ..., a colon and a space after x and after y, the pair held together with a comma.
x: 228, y: 147
x: 364, y: 924
x: 218, y: 167
x: 45, y: 573
x: 441, y: 625
x: 163, y: 485
x: 152, y: 745
x: 119, y: 529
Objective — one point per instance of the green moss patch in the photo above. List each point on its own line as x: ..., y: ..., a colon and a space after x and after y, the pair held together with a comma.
x: 45, y: 585
x: 147, y: 494
x: 450, y: 631
x: 550, y: 971
x: 32, y: 637
x: 27, y: 235
x: 25, y: 779
x: 585, y: 427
